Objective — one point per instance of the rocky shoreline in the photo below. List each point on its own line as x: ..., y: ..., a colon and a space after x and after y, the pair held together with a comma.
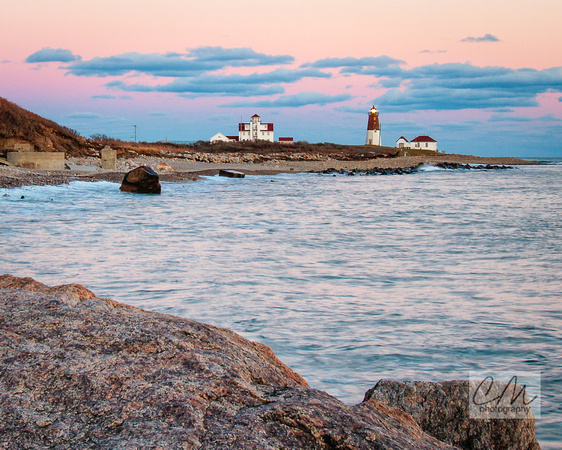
x: 414, y: 169
x: 181, y: 170
x: 78, y: 371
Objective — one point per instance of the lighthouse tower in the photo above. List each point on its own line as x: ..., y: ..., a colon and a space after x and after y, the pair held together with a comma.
x: 373, y: 128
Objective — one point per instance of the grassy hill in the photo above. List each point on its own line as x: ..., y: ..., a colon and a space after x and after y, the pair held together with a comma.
x: 45, y: 135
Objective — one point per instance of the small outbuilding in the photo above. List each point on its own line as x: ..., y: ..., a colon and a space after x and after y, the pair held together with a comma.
x: 402, y: 142
x: 219, y: 137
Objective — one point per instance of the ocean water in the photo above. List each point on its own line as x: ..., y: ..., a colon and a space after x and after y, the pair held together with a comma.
x: 349, y: 279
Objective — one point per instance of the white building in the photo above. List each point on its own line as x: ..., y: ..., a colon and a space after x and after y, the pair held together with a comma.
x: 255, y: 130
x: 402, y: 142
x: 219, y: 137
x: 424, y: 143
x: 373, y: 128
x: 418, y: 143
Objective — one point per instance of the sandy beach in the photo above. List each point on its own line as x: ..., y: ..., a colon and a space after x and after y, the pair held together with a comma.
x: 180, y: 169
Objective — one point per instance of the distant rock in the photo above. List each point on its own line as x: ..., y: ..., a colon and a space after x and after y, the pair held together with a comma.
x: 231, y: 173
x: 142, y: 180
x: 452, y: 166
x: 441, y: 410
x: 164, y: 167
x: 77, y: 371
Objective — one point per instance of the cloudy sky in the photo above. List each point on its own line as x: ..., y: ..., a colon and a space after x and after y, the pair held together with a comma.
x: 480, y: 76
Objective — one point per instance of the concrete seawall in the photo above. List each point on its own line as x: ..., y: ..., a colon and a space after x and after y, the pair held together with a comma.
x: 37, y: 160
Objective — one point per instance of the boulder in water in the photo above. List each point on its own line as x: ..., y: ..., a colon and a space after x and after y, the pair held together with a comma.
x: 442, y: 411
x: 142, y: 180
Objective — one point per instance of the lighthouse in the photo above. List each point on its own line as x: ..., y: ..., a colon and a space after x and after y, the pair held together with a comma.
x: 373, y: 128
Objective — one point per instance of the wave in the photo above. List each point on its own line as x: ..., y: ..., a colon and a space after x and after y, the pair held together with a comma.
x: 430, y: 168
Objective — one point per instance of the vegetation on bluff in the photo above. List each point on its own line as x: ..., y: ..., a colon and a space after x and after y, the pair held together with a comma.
x: 19, y: 124
x: 45, y: 135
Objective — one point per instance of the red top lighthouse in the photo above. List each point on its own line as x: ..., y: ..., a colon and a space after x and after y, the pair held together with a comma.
x: 373, y: 128
x: 373, y: 123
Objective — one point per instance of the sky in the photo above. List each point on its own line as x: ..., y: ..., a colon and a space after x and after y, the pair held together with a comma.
x: 481, y: 77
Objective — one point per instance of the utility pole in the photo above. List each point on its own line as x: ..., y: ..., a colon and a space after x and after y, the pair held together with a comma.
x: 135, y: 133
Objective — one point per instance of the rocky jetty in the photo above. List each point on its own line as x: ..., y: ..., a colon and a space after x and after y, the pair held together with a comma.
x: 413, y: 169
x: 457, y: 166
x: 78, y: 371
x: 374, y: 171
x: 142, y: 180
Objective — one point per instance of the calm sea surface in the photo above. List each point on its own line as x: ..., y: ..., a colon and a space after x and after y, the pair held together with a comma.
x: 349, y: 279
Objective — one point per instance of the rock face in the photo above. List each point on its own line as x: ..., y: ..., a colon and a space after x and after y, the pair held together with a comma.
x: 441, y: 409
x: 142, y: 180
x: 77, y: 371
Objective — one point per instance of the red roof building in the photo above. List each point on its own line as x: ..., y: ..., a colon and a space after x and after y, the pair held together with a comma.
x: 419, y: 143
x: 255, y: 130
x: 423, y: 139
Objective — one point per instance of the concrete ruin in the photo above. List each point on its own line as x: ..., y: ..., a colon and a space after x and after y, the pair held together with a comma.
x: 37, y: 160
x: 15, y: 145
x: 108, y: 158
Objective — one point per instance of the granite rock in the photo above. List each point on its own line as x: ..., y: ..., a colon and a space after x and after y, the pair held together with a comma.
x: 78, y: 371
x: 141, y: 180
x: 442, y: 410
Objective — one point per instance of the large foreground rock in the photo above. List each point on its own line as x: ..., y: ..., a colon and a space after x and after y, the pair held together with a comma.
x: 77, y: 371
x: 442, y: 410
x: 142, y: 180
